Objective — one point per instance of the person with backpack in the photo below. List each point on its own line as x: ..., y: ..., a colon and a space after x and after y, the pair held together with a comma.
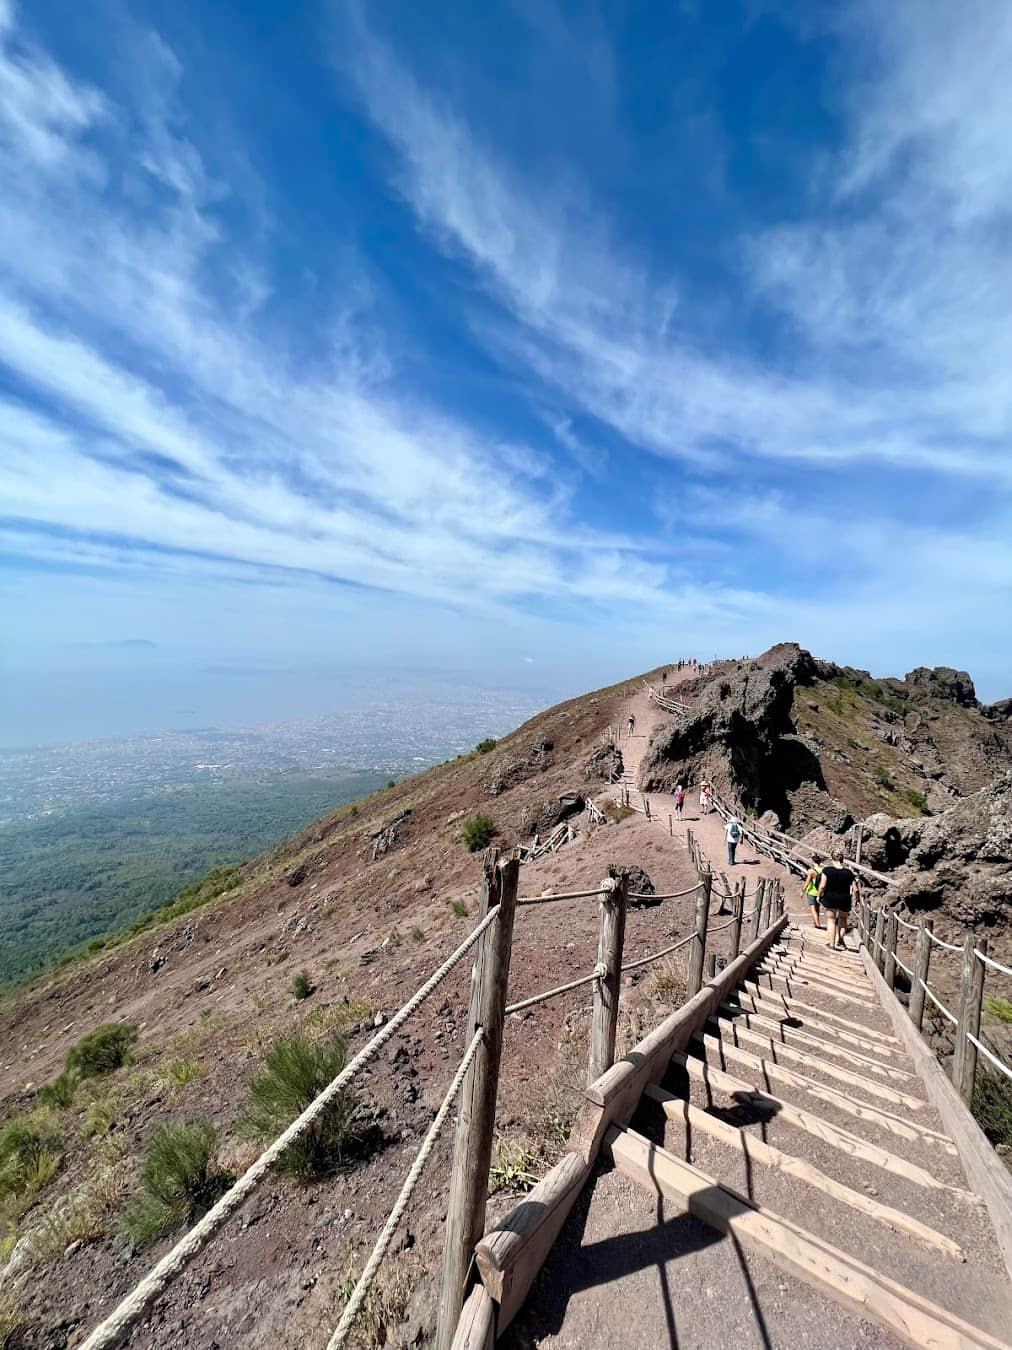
x: 810, y: 891
x: 679, y: 801
x: 732, y: 837
x: 838, y: 891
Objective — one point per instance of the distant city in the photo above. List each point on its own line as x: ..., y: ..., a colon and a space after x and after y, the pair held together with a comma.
x: 387, y: 735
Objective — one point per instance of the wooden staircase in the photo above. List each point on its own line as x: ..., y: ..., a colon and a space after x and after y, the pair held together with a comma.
x: 776, y: 1176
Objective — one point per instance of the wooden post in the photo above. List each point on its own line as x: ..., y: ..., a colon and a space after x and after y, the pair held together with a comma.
x: 891, y: 937
x: 697, y: 947
x: 472, y: 1145
x: 604, y: 1019
x: 711, y: 965
x: 671, y: 828
x: 738, y: 906
x: 922, y: 960
x: 858, y: 840
x: 879, y: 952
x: 971, y: 993
x: 646, y: 805
x: 764, y: 916
x: 756, y: 918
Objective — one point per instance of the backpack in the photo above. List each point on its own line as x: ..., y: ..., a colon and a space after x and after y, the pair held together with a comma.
x: 734, y: 833
x: 679, y: 796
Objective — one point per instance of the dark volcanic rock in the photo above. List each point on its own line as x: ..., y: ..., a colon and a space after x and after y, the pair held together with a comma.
x: 944, y: 682
x: 961, y: 860
x: 638, y: 882
x: 604, y: 765
x: 739, y: 735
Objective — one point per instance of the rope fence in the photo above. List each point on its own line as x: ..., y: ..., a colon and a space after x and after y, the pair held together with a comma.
x: 596, y: 974
x: 656, y: 956
x: 365, y: 1281
x: 547, y: 899
x: 880, y: 930
x: 115, y: 1327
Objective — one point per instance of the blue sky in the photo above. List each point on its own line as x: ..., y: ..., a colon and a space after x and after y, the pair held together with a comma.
x: 533, y: 341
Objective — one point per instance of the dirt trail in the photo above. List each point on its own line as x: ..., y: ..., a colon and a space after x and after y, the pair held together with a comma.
x: 632, y: 1268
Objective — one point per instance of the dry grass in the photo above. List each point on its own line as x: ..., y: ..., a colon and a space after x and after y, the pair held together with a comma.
x: 82, y: 1216
x: 384, y: 1308
x: 667, y: 983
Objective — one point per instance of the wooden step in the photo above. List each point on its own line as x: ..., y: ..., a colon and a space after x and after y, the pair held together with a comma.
x: 680, y: 1111
x: 843, y: 1140
x: 762, y: 1072
x: 913, y: 1318
x: 783, y: 1033
x: 787, y: 1002
x: 806, y: 1056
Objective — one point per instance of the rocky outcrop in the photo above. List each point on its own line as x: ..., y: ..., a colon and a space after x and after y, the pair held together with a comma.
x: 604, y: 765
x: 510, y: 769
x: 638, y: 883
x: 740, y: 735
x: 943, y: 682
x: 961, y: 860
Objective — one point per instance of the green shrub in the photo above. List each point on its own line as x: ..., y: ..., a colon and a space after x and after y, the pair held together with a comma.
x: 459, y: 908
x: 60, y: 1092
x: 294, y: 1073
x: 489, y: 743
x: 178, y: 1180
x: 881, y: 775
x: 478, y: 832
x: 992, y: 1105
x: 417, y: 935
x: 302, y: 985
x: 1000, y: 1008
x: 917, y: 800
x: 29, y: 1155
x: 103, y: 1050
x: 391, y: 783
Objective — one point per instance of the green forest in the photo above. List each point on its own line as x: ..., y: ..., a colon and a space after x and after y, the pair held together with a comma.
x: 78, y: 875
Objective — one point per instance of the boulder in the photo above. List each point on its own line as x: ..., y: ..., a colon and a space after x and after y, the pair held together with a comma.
x: 955, y: 686
x: 639, y: 882
x: 604, y: 765
x: 961, y: 860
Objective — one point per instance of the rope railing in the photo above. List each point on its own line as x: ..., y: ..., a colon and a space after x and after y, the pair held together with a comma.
x: 939, y: 1004
x: 596, y: 974
x: 667, y: 895
x: 991, y: 962
x: 946, y: 946
x: 998, y: 1064
x: 365, y: 1282
x: 112, y: 1330
x: 656, y: 956
x: 911, y: 927
x: 564, y: 895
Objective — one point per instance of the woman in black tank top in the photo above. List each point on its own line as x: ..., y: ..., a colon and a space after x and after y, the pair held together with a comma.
x: 837, y: 891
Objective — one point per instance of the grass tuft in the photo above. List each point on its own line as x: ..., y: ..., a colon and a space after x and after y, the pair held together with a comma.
x: 178, y: 1180
x: 302, y: 986
x: 992, y: 1105
x: 479, y: 831
x: 102, y: 1050
x: 296, y: 1071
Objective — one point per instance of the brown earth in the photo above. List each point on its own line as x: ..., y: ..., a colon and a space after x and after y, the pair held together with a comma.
x: 213, y: 988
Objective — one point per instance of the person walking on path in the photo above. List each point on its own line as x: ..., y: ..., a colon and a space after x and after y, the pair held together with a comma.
x: 679, y: 801
x: 810, y: 891
x: 732, y: 837
x: 632, y: 723
x: 838, y: 891
x: 705, y: 800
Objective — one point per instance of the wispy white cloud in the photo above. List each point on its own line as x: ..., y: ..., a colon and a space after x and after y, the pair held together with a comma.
x: 163, y: 418
x: 904, y: 334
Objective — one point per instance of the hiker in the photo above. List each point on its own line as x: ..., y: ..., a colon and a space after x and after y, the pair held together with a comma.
x: 810, y: 891
x: 732, y: 836
x: 632, y: 723
x: 679, y: 801
x: 705, y: 800
x: 838, y: 890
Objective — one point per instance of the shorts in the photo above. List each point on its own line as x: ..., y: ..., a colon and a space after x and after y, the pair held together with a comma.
x: 841, y: 903
x: 815, y: 899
